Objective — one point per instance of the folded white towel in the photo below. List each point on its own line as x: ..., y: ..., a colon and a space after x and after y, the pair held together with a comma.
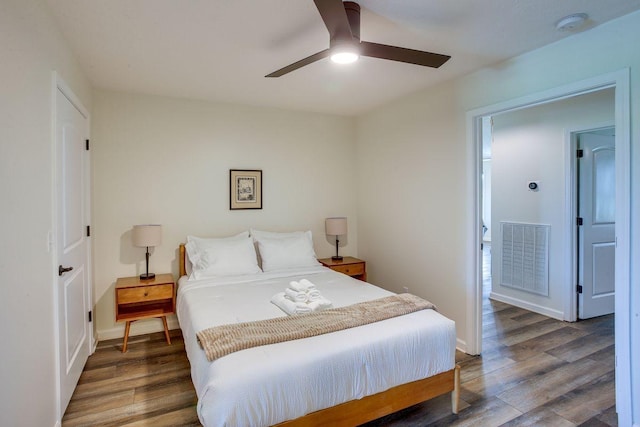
x: 289, y: 306
x: 320, y: 304
x: 307, y: 284
x: 301, y: 286
x: 313, y: 295
x: 302, y: 308
x: 295, y: 296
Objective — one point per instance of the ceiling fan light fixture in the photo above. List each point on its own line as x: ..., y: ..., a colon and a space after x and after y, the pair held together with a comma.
x: 344, y: 57
x: 345, y: 53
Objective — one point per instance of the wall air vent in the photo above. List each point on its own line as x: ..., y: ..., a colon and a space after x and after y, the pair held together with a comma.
x: 525, y: 257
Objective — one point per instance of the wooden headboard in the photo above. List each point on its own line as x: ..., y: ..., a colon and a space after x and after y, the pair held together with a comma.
x: 182, y: 260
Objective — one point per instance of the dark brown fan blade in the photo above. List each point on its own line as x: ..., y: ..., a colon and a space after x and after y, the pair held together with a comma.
x: 306, y: 61
x: 402, y: 54
x: 335, y: 19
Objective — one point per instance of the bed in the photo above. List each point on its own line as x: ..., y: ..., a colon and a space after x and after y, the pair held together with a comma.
x: 343, y: 378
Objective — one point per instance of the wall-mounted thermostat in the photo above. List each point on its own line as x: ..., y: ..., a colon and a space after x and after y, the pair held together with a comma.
x: 533, y: 185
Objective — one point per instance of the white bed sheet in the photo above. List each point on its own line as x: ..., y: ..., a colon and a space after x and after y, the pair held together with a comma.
x: 270, y: 384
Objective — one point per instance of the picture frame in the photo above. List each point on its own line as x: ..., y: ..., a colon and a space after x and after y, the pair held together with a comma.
x: 245, y: 190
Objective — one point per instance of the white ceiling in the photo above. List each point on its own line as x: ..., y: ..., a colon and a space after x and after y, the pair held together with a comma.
x: 221, y: 50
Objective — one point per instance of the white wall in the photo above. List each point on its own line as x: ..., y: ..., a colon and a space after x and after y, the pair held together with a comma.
x: 413, y: 204
x: 531, y: 145
x: 30, y: 49
x: 167, y: 161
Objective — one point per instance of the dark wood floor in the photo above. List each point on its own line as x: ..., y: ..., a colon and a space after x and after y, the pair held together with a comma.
x: 534, y: 371
x: 148, y: 385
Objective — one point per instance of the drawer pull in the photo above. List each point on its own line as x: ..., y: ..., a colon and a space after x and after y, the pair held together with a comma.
x: 146, y: 294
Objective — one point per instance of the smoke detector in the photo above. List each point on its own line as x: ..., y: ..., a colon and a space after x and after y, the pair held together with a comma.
x: 573, y: 22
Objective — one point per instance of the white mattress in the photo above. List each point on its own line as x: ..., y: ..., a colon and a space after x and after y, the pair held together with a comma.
x: 266, y: 385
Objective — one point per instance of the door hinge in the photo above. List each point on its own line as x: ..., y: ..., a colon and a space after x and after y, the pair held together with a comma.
x: 87, y: 146
x: 579, y: 289
x: 88, y: 231
x: 90, y: 316
x: 579, y: 221
x: 580, y: 153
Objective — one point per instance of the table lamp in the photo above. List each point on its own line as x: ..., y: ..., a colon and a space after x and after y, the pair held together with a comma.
x: 336, y: 226
x: 147, y: 235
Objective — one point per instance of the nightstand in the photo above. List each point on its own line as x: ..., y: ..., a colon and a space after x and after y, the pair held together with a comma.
x: 350, y: 266
x: 143, y: 299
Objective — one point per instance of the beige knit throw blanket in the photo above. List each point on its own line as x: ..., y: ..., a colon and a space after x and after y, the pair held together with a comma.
x: 219, y: 341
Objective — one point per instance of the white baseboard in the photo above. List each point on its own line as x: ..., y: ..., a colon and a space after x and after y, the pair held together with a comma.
x: 461, y: 345
x: 555, y: 314
x: 141, y: 327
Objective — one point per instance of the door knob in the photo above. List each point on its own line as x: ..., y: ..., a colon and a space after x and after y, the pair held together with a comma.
x: 62, y: 270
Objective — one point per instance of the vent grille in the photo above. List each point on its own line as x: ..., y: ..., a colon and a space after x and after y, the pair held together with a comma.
x: 525, y: 257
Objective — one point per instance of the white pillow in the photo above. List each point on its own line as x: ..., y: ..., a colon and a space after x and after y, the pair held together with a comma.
x: 287, y: 252
x: 196, y: 245
x: 229, y: 256
x: 257, y: 234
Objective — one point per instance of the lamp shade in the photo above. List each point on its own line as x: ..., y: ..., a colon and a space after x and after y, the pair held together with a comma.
x: 147, y: 235
x: 336, y: 226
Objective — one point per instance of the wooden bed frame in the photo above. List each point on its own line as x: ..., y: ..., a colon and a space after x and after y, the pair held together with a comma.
x: 369, y: 408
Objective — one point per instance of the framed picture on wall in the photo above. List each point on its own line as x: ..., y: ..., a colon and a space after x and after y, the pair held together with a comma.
x: 246, y: 189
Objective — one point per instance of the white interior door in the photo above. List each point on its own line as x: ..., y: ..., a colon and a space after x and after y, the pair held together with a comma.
x: 73, y: 292
x: 596, y: 235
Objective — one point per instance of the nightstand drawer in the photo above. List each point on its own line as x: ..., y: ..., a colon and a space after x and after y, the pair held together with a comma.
x: 146, y: 293
x: 349, y: 265
x: 350, y: 269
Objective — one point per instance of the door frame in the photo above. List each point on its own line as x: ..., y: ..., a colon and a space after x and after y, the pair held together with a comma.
x: 571, y: 184
x: 58, y: 84
x: 620, y: 80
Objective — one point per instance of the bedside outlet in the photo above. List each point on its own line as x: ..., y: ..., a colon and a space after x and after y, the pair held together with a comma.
x: 405, y: 289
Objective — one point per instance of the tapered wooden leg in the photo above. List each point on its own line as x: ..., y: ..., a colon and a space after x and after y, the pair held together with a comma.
x: 126, y: 336
x: 166, y: 329
x: 455, y: 394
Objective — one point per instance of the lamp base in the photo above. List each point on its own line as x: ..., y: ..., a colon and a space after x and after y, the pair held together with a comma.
x: 337, y: 258
x: 147, y: 276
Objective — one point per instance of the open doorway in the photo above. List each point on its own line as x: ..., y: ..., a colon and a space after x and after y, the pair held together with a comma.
x: 620, y: 82
x: 528, y: 175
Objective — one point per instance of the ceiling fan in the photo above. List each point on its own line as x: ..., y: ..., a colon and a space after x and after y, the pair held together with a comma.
x: 343, y: 23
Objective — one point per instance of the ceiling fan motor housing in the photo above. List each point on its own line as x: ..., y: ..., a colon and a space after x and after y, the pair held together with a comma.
x: 343, y: 43
x: 353, y: 15
x: 352, y: 10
